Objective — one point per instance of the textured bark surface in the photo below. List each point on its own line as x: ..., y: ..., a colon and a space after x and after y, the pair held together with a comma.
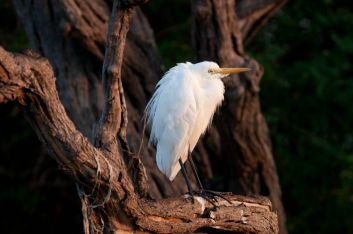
x: 72, y: 35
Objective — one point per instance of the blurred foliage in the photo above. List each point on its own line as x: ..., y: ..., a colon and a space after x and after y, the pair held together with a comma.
x: 306, y: 96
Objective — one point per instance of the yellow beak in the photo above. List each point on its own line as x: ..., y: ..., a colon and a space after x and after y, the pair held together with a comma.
x: 229, y: 70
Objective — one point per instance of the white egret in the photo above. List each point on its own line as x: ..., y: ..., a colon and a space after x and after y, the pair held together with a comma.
x: 180, y: 111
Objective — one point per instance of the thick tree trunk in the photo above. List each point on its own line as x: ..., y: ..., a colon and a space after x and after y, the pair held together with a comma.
x: 72, y: 35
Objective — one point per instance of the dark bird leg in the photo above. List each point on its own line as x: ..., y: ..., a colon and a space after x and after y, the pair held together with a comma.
x: 209, y: 193
x: 195, y: 173
x: 186, y: 179
x: 191, y: 192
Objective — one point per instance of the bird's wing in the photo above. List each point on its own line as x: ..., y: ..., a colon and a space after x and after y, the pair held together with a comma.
x: 173, y: 113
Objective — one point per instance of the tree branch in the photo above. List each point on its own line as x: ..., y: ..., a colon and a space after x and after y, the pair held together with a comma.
x: 252, y: 15
x: 28, y: 79
x: 114, y: 117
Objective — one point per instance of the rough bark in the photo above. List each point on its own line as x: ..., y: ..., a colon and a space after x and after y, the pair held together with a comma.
x: 72, y: 35
x: 241, y: 129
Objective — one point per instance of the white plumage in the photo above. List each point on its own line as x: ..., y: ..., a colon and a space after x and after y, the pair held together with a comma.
x: 182, y: 108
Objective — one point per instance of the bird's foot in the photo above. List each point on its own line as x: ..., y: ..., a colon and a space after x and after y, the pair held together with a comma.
x: 215, y: 195
x: 206, y: 197
x: 192, y: 196
x: 210, y: 196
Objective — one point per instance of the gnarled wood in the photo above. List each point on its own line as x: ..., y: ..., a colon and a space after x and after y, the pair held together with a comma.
x: 113, y: 121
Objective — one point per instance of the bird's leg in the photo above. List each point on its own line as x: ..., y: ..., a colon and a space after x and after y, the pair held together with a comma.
x: 186, y: 179
x: 204, y: 192
x: 194, y: 171
x: 191, y: 192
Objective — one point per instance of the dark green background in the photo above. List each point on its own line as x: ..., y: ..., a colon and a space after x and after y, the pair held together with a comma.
x: 306, y: 97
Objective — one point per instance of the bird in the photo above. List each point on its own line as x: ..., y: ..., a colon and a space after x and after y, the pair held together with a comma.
x: 181, y: 110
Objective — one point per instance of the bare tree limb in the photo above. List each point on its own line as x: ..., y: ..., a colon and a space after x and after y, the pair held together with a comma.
x: 29, y: 80
x: 114, y: 117
x: 252, y: 15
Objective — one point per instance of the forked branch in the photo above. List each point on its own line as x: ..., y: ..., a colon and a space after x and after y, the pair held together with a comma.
x: 113, y: 121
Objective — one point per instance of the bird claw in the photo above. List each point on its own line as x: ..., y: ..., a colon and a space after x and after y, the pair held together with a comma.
x: 191, y: 194
x: 209, y: 196
x: 214, y: 195
x: 192, y: 197
x: 205, y: 196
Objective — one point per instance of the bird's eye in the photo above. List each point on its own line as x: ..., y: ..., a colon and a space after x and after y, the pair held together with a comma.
x: 210, y: 71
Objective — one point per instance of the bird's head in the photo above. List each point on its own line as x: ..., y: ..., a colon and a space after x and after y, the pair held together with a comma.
x: 211, y: 70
